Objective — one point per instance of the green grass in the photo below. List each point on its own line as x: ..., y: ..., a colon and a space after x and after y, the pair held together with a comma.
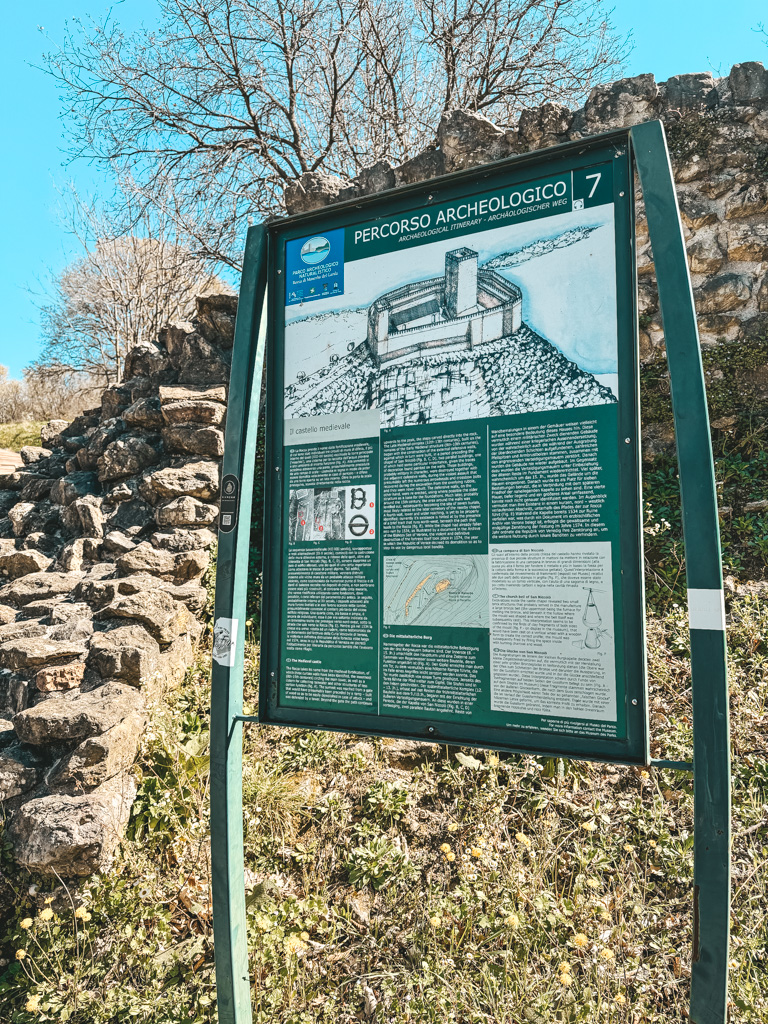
x: 15, y: 436
x: 516, y: 890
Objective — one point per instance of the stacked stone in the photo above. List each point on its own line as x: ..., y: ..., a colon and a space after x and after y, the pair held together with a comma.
x: 105, y: 534
x: 719, y: 131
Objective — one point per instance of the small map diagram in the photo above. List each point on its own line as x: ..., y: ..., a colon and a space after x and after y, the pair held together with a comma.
x: 436, y: 590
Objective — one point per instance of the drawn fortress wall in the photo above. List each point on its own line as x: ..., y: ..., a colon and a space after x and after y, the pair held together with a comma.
x: 462, y: 309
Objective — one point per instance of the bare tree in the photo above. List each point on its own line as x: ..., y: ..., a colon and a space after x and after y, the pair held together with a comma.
x: 212, y: 113
x: 40, y: 396
x: 119, y: 293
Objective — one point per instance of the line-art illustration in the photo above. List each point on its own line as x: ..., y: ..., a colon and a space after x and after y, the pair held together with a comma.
x: 593, y: 621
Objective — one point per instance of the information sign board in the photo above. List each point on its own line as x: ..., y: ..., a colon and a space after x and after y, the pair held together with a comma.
x: 453, y: 531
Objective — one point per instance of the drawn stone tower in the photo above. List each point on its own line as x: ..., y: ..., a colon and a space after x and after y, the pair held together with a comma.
x: 460, y: 281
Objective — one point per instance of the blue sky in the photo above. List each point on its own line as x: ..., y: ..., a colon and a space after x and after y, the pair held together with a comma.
x: 670, y: 38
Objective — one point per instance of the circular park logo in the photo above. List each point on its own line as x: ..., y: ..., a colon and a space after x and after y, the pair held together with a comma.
x: 315, y: 249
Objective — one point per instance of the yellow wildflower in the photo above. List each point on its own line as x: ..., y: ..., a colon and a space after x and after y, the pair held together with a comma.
x: 620, y: 999
x: 33, y: 1004
x: 580, y: 940
x: 521, y: 837
x: 453, y: 826
x: 26, y: 923
x: 593, y: 883
x: 80, y: 912
x: 629, y: 848
x: 589, y: 826
x: 48, y: 899
x: 652, y: 843
x: 304, y: 936
x: 607, y: 954
x: 476, y: 852
x: 644, y: 775
x: 293, y: 944
x: 20, y: 954
x: 46, y: 915
x: 492, y: 760
x: 434, y: 921
x: 513, y: 921
x: 450, y: 855
x: 445, y: 848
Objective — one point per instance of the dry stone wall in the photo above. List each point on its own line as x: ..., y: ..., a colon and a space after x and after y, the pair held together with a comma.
x: 105, y: 534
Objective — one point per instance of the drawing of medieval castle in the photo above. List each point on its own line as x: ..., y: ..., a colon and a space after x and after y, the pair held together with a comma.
x: 461, y: 310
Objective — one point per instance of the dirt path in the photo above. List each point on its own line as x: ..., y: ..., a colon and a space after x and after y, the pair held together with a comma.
x: 9, y: 460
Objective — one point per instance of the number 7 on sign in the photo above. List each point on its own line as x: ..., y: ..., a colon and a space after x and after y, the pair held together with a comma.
x: 596, y: 178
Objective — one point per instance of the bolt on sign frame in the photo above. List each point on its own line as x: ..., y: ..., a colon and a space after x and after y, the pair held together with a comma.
x: 440, y: 310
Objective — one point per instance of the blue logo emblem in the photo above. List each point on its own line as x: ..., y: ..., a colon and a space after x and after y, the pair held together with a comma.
x: 315, y: 250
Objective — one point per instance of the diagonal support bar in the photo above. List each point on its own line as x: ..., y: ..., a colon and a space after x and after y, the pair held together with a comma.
x: 711, y: 742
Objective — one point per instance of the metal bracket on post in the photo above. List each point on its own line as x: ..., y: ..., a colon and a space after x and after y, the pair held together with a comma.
x: 233, y: 990
x: 711, y: 742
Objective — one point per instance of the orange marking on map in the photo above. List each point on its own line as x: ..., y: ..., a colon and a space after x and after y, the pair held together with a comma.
x: 415, y: 591
x: 441, y: 586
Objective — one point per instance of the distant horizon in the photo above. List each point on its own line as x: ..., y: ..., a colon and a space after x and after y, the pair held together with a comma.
x: 695, y: 38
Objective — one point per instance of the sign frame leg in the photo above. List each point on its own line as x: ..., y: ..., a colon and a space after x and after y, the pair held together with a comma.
x: 711, y: 736
x: 233, y: 988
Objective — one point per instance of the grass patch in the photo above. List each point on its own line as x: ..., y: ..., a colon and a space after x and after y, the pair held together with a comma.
x: 493, y: 889
x: 15, y: 436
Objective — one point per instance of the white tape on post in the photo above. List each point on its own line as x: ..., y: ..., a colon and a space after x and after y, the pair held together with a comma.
x: 706, y: 609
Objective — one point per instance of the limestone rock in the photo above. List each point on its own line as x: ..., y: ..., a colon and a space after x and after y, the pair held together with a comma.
x: 145, y: 558
x: 118, y: 543
x: 723, y: 293
x: 145, y: 360
x: 32, y: 652
x: 60, y: 677
x: 545, y: 125
x: 84, y: 516
x: 748, y: 242
x: 73, y: 835
x: 467, y: 139
x: 749, y: 84
x: 17, y: 630
x: 36, y: 489
x: 14, y: 564
x: 155, y: 609
x: 74, y: 716
x: 190, y: 394
x: 377, y: 178
x: 16, y: 777
x: 183, y: 540
x: 186, y: 511
x: 145, y: 412
x: 73, y: 555
x: 114, y: 399
x: 206, y: 441
x: 762, y: 295
x: 429, y: 164
x: 15, y: 694
x: 127, y: 653
x: 193, y: 479
x: 130, y: 517
x: 49, y: 432
x: 40, y: 586
x: 99, y: 758
x: 74, y: 485
x: 215, y: 316
x: 622, y: 104
x: 9, y: 498
x: 201, y: 410
x: 200, y: 362
x: 7, y: 735
x: 705, y: 257
x: 691, y: 92
x: 313, y: 190
x: 695, y: 213
x: 13, y: 481
x: 31, y: 453
x: 126, y: 457
x: 7, y: 614
x: 748, y: 202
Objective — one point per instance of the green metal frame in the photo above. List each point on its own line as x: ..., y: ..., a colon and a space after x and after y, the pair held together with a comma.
x: 711, y: 765
x: 709, y: 672
x: 230, y: 938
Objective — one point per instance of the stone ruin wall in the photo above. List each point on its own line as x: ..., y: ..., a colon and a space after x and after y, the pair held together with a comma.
x: 105, y: 534
x: 106, y: 531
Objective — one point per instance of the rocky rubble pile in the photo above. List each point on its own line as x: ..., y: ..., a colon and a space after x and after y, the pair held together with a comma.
x: 718, y: 134
x: 105, y: 534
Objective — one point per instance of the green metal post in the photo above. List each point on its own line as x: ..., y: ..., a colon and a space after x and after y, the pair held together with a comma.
x: 229, y: 923
x: 711, y: 743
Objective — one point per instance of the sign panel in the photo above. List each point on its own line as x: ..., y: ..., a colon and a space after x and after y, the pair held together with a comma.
x: 453, y: 522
